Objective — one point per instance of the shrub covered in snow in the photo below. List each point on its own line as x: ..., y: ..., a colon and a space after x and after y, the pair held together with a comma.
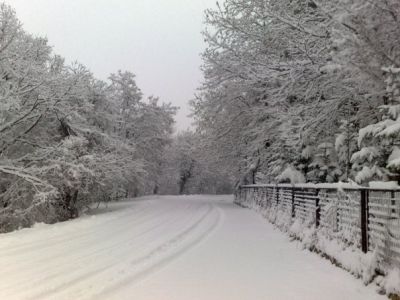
x: 392, y: 282
x: 291, y: 175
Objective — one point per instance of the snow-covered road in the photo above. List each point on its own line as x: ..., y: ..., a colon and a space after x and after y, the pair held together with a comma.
x: 168, y: 248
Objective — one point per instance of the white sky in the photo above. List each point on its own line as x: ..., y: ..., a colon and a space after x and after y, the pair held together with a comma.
x: 158, y: 40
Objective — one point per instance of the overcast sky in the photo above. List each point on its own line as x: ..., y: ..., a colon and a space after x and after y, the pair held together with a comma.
x: 158, y: 40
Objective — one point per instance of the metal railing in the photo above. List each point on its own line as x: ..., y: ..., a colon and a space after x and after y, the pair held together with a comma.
x: 368, y: 218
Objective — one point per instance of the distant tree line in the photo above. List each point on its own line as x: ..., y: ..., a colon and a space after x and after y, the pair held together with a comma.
x: 189, y: 168
x: 304, y: 90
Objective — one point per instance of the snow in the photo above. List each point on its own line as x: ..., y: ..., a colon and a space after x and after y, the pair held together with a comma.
x: 340, y: 140
x: 170, y: 248
x: 392, y: 282
x: 365, y: 132
x: 383, y: 185
x: 394, y: 111
x: 392, y: 129
x: 394, y: 158
x: 337, y: 185
x: 291, y: 174
x: 307, y: 152
x: 392, y: 70
x: 368, y: 173
x: 366, y: 153
x: 323, y: 241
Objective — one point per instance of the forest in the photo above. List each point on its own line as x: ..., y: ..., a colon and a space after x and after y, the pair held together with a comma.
x: 302, y: 91
x: 293, y: 91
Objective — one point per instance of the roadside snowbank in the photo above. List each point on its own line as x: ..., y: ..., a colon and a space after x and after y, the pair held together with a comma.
x: 335, y: 246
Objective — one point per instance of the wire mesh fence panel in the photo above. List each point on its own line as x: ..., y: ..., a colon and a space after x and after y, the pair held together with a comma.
x: 263, y: 198
x: 285, y: 199
x: 329, y: 210
x: 367, y: 218
x: 269, y: 197
x: 384, y: 225
x: 275, y: 197
x: 349, y: 216
x: 304, y: 204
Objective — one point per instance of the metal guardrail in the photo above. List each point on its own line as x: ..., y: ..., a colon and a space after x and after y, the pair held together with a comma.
x: 366, y: 217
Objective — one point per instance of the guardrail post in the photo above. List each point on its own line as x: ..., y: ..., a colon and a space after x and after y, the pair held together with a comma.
x: 293, y: 208
x: 277, y: 195
x: 364, y: 220
x: 393, y: 202
x: 317, y: 209
x: 270, y: 197
x: 258, y: 196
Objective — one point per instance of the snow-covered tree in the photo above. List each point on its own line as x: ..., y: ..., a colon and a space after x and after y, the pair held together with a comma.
x: 379, y: 153
x: 286, y: 81
x: 263, y: 82
x: 346, y: 146
x: 66, y: 138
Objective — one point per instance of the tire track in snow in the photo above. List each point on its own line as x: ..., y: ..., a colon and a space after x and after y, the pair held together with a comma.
x: 142, y: 219
x: 161, y: 233
x: 58, y: 239
x: 166, y: 254
x: 130, y: 270
x: 78, y: 258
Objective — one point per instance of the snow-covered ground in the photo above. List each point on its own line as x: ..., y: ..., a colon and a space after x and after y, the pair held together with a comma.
x: 168, y: 248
